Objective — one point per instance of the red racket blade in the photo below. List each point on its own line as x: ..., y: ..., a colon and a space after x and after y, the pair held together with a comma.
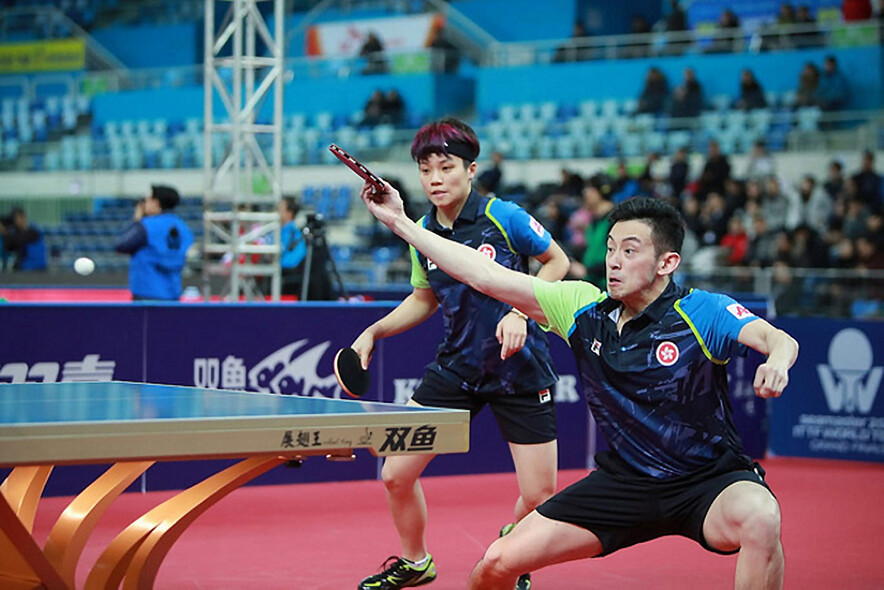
x: 357, y: 167
x: 352, y: 378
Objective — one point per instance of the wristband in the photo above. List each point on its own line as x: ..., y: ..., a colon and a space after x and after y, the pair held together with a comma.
x: 518, y: 313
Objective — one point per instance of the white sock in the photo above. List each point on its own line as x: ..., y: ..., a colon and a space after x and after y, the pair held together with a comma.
x: 419, y: 564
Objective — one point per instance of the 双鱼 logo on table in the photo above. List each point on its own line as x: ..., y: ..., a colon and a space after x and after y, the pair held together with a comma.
x: 850, y: 380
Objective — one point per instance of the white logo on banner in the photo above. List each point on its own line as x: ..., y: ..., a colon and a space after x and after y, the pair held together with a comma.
x: 91, y: 368
x: 849, y: 381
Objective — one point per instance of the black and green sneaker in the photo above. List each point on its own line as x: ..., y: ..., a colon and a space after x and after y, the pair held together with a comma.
x: 398, y: 573
x: 524, y: 581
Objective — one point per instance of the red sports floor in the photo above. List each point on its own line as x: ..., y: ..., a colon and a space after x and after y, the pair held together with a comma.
x: 328, y: 536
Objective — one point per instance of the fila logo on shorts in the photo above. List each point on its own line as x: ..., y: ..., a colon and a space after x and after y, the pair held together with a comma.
x: 544, y: 396
x: 667, y: 353
x: 488, y: 250
x: 596, y: 346
x: 431, y: 265
x: 739, y: 312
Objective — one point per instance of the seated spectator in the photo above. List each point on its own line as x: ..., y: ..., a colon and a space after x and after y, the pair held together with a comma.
x: 751, y: 92
x: 727, y: 37
x: 814, y: 205
x: 735, y: 241
x: 716, y: 171
x: 655, y: 93
x: 392, y: 108
x: 23, y: 240
x: 638, y: 46
x: 373, y: 52
x: 373, y: 111
x: 675, y: 22
x: 446, y: 56
x: 624, y: 184
x: 868, y: 254
x: 808, y: 34
x: 577, y: 48
x: 489, y: 180
x: 868, y: 183
x: 687, y: 98
x: 780, y: 204
x: 834, y: 184
x: 762, y: 250
x: 807, y: 248
x: 597, y: 201
x: 808, y: 81
x: 833, y: 91
x: 761, y: 163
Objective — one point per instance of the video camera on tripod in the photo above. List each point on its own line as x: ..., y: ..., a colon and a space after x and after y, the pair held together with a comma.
x: 319, y: 264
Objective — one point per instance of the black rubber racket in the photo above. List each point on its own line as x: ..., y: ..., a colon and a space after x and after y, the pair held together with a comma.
x: 357, y: 167
x: 352, y: 378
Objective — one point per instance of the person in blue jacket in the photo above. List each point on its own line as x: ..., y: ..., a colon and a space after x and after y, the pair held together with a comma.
x: 24, y: 241
x: 158, y: 240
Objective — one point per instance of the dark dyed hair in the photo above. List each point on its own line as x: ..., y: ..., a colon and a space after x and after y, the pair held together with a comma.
x: 166, y: 195
x: 291, y: 205
x: 448, y: 137
x: 667, y: 224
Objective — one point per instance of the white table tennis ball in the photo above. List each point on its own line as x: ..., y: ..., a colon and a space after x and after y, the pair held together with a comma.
x: 84, y: 266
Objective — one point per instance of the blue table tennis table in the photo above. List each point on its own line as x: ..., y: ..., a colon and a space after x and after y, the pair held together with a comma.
x: 134, y: 425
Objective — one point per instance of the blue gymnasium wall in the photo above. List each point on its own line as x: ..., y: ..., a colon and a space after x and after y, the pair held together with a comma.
x: 571, y: 83
x: 434, y: 95
x: 154, y: 46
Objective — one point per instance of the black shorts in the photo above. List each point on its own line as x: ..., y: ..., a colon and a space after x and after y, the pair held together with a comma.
x: 523, y: 419
x: 626, y: 511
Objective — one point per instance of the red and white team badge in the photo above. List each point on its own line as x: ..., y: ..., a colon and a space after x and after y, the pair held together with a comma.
x: 488, y: 250
x: 667, y: 354
x: 535, y: 225
x: 739, y: 311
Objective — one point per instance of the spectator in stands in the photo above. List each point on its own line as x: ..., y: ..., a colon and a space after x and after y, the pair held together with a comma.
x: 687, y: 98
x: 868, y: 183
x: 576, y: 48
x: 157, y: 240
x: 809, y: 34
x: 751, y: 93
x: 807, y: 248
x: 834, y: 184
x: 833, y: 91
x: 655, y: 93
x: 869, y: 255
x: 373, y: 111
x: 734, y: 195
x: 735, y: 241
x: 597, y: 195
x: 716, y: 171
x: 780, y: 204
x: 392, y: 108
x: 808, y: 82
x: 489, y: 181
x: 761, y: 163
x: 814, y: 206
x: 293, y: 247
x: 445, y: 58
x: 727, y: 37
x: 625, y: 184
x: 675, y: 22
x: 763, y: 245
x: 373, y: 52
x: 679, y: 171
x: 638, y: 46
x: 23, y: 240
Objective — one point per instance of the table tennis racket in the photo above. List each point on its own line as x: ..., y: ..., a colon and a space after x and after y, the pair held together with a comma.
x: 352, y: 378
x: 356, y: 166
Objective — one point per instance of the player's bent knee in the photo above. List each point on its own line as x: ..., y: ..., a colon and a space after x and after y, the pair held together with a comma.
x: 534, y: 498
x: 761, y: 528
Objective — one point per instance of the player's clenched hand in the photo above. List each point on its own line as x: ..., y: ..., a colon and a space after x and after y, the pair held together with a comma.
x: 511, y: 333
x: 386, y: 206
x: 364, y: 347
x: 770, y: 381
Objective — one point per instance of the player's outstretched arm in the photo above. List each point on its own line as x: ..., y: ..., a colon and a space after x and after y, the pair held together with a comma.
x: 459, y: 261
x: 781, y: 349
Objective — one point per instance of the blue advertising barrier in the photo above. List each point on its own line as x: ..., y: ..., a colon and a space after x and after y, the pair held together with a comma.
x: 832, y: 408
x: 285, y: 349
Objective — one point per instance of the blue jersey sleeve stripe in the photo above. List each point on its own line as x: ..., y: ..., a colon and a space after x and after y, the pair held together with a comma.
x: 584, y: 309
x: 697, y: 335
x: 499, y: 225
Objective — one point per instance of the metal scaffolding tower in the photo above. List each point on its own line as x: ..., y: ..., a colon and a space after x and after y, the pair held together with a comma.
x: 242, y: 152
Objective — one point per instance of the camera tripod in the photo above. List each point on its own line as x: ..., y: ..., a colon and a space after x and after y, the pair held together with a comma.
x: 317, y: 248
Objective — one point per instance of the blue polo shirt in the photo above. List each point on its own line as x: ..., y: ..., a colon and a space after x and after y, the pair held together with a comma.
x: 469, y: 352
x: 658, y: 389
